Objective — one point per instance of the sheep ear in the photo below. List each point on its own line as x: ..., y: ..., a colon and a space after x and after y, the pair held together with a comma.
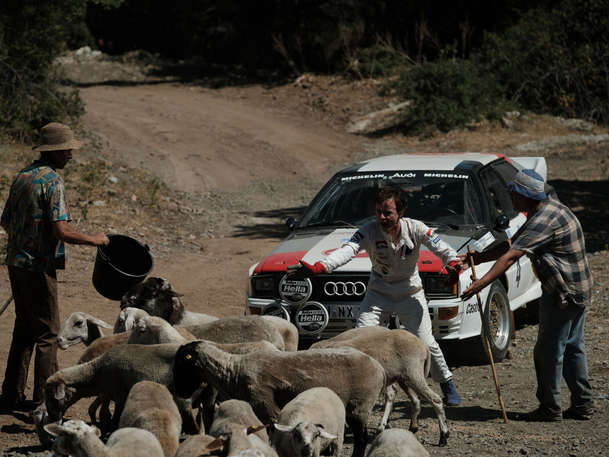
x: 97, y: 431
x: 325, y: 434
x: 255, y: 428
x: 283, y: 428
x: 218, y: 443
x: 54, y: 428
x: 60, y: 391
x: 95, y: 321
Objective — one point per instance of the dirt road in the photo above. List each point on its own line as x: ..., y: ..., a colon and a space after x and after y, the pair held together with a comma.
x: 244, y: 157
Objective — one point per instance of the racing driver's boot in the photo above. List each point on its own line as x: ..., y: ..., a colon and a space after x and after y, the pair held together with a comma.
x: 451, y: 396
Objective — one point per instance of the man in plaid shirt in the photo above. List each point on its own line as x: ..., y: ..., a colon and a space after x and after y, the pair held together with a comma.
x: 553, y: 238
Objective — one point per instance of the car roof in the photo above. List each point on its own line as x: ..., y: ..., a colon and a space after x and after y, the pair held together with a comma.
x: 435, y: 161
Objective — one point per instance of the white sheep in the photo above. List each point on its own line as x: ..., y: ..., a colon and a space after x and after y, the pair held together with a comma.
x: 269, y: 380
x: 156, y: 330
x: 199, y: 446
x: 111, y: 376
x: 288, y: 331
x: 127, y: 317
x: 312, y: 423
x: 80, y: 327
x: 150, y: 406
x: 396, y: 442
x: 157, y: 298
x: 237, y: 412
x: 405, y: 359
x: 77, y: 439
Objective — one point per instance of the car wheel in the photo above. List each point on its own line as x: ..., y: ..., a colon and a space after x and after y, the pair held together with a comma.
x: 500, y: 322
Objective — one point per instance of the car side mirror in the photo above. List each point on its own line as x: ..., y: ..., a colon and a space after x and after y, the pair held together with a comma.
x: 502, y: 222
x: 291, y: 223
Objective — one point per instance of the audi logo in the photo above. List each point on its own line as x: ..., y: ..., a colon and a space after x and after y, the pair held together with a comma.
x: 348, y: 289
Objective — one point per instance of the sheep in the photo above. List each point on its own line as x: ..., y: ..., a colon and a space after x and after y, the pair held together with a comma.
x: 309, y: 424
x: 80, y: 327
x: 396, y: 443
x: 199, y: 446
x: 156, y: 330
x: 127, y: 317
x: 150, y: 406
x: 111, y: 375
x: 288, y: 331
x: 238, y: 412
x: 269, y: 380
x: 157, y: 298
x: 76, y: 438
x: 406, y: 360
x: 239, y: 329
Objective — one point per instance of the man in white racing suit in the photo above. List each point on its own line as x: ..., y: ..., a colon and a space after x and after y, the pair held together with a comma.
x: 392, y: 242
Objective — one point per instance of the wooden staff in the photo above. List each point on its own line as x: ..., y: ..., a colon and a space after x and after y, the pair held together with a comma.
x: 5, y: 305
x: 486, y: 335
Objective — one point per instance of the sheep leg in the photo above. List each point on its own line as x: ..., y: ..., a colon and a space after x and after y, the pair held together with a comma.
x: 390, y: 394
x: 424, y: 391
x: 360, y: 437
x: 416, y: 408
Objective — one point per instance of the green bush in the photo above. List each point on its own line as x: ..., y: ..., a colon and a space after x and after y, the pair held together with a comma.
x: 32, y: 34
x: 447, y: 94
x: 555, y: 60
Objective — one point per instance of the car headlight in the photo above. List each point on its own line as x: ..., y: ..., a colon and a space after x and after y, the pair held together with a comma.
x: 263, y: 284
x: 437, y: 285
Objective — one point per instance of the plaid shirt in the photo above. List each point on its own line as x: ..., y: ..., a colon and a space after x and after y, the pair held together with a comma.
x: 36, y: 199
x: 554, y: 240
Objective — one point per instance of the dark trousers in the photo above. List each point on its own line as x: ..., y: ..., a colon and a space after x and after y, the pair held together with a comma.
x: 36, y: 326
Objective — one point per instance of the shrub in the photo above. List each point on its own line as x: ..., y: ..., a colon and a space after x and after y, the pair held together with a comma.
x: 447, y: 94
x: 555, y: 60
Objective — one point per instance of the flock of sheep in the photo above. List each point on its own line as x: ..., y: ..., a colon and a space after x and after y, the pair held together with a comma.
x: 185, y: 384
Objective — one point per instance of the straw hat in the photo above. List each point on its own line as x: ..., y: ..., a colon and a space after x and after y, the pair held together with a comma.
x: 57, y: 137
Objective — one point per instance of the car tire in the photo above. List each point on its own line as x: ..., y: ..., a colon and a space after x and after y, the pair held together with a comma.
x: 500, y: 322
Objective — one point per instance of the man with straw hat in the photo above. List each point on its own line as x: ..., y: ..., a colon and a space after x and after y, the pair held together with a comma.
x: 36, y: 218
x: 553, y: 238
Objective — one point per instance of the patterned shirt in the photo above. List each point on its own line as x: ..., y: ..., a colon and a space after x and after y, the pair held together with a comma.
x: 554, y: 240
x: 36, y: 199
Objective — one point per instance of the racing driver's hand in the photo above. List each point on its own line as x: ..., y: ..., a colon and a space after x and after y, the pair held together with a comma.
x: 305, y: 270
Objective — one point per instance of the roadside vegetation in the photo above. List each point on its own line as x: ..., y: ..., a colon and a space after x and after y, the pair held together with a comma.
x: 470, y: 63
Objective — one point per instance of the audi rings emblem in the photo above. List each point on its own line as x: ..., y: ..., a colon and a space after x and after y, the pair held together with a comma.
x: 344, y: 289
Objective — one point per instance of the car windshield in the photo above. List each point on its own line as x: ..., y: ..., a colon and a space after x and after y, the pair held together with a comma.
x: 434, y: 197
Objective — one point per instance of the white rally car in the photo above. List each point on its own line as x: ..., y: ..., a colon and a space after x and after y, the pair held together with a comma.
x: 464, y: 197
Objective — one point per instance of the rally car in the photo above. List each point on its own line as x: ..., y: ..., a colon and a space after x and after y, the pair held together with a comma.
x: 463, y: 197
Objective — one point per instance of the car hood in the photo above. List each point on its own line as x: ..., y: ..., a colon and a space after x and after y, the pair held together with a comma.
x: 314, y: 245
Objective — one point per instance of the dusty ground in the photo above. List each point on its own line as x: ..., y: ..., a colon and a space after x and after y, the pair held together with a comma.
x: 206, y: 172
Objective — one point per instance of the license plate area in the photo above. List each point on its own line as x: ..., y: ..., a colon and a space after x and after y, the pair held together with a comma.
x: 342, y: 311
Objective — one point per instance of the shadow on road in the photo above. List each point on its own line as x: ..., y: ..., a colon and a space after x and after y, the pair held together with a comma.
x: 267, y: 228
x: 589, y: 201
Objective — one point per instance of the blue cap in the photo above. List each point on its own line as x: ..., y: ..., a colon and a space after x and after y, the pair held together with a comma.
x: 528, y: 183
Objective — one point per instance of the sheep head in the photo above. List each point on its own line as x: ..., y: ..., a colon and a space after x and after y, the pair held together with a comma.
x: 157, y: 298
x: 307, y: 438
x: 80, y: 327
x: 69, y: 435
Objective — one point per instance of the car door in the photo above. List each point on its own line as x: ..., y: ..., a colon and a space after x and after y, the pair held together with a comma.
x: 495, y: 178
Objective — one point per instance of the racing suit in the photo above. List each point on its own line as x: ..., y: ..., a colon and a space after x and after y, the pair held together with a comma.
x: 395, y: 285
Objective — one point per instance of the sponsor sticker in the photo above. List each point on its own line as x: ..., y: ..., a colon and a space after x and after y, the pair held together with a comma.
x: 311, y: 318
x: 436, y: 240
x: 295, y: 291
x: 357, y: 237
x: 483, y: 242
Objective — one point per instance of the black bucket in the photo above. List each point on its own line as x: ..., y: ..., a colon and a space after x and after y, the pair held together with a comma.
x: 120, y: 265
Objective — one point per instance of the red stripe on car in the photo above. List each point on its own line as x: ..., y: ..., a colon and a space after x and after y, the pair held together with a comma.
x: 279, y: 262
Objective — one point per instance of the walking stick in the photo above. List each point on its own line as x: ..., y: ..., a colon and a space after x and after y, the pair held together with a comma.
x: 5, y: 305
x: 486, y: 335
